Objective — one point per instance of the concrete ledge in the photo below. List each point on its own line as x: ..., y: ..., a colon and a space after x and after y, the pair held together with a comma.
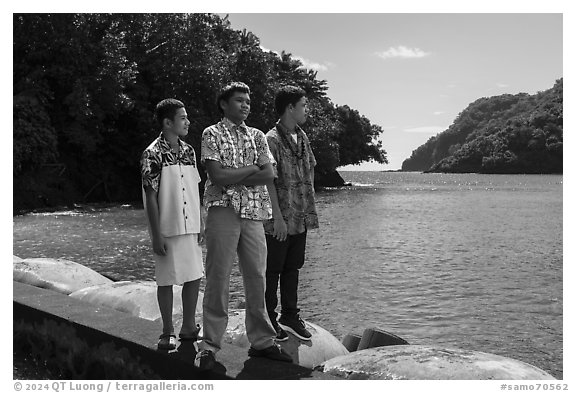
x: 97, y: 325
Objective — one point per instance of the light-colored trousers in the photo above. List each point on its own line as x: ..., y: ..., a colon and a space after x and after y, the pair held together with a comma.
x: 226, y: 235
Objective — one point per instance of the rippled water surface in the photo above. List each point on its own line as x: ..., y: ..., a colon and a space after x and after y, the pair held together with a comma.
x: 462, y: 260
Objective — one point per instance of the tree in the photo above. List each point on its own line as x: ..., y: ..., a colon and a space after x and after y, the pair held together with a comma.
x: 357, y: 138
x: 85, y: 88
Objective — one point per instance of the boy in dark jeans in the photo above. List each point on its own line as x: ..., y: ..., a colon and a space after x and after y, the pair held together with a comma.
x: 294, y: 211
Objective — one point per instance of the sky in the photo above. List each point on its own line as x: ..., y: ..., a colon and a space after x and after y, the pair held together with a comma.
x: 413, y: 73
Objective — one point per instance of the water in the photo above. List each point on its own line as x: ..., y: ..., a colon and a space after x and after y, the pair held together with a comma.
x: 457, y: 260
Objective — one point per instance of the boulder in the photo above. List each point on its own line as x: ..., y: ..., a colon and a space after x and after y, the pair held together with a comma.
x: 321, y: 347
x: 137, y: 298
x: 419, y: 362
x: 58, y: 275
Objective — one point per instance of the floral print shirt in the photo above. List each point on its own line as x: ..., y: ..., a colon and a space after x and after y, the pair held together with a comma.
x: 174, y: 176
x: 235, y: 147
x: 294, y: 181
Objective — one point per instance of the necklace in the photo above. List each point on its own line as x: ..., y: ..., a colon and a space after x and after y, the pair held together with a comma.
x: 298, y: 154
x: 247, y: 138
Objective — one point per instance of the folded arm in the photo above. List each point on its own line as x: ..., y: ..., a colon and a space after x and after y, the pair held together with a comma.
x: 264, y: 176
x: 225, y: 176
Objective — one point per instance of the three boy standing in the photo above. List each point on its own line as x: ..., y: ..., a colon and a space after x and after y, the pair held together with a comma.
x: 249, y: 183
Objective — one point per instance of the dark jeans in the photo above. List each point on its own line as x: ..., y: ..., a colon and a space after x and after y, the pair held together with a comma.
x: 282, y: 265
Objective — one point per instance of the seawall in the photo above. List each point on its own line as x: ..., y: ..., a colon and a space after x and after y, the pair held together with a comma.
x: 98, y: 325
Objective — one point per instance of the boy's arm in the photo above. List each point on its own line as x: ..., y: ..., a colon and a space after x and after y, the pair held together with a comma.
x: 280, y: 227
x: 202, y: 225
x: 153, y: 213
x: 263, y: 177
x: 265, y: 163
x: 225, y: 176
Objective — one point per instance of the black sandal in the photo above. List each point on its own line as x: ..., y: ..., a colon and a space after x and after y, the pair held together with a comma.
x: 167, y: 341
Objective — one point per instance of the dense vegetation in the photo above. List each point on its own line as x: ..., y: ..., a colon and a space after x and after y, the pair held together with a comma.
x: 519, y: 133
x: 85, y: 86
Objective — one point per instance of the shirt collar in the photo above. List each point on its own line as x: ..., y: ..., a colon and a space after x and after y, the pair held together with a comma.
x: 282, y: 128
x: 229, y: 124
x: 166, y: 145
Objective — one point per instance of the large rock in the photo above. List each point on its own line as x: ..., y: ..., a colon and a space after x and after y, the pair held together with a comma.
x: 329, y: 178
x: 58, y: 275
x: 418, y: 362
x: 137, y: 298
x: 321, y: 347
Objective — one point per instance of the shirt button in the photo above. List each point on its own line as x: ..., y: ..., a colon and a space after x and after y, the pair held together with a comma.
x: 184, y: 202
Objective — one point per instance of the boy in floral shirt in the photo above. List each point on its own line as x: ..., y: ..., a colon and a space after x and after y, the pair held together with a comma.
x: 294, y: 206
x: 172, y: 205
x: 239, y: 166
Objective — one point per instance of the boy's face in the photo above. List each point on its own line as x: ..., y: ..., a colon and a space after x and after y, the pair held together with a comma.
x: 179, y: 125
x: 300, y: 110
x: 237, y: 108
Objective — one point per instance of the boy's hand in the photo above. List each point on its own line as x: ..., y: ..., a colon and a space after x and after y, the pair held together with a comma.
x: 280, y: 230
x: 201, y: 235
x: 159, y: 246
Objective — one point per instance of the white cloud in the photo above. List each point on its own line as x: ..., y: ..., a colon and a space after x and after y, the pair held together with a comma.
x: 438, y: 113
x: 402, y: 52
x: 268, y: 50
x: 426, y: 129
x: 502, y: 85
x: 311, y: 65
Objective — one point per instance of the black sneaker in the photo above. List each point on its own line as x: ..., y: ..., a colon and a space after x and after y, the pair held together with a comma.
x: 273, y: 352
x: 205, y: 360
x: 296, y: 326
x: 281, y: 334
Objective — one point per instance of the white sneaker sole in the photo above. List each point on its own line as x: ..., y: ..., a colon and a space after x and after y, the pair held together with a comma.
x: 290, y: 330
x: 281, y: 340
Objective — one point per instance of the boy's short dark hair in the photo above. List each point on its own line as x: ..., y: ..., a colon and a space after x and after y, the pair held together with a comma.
x: 166, y: 109
x: 287, y: 95
x: 228, y: 91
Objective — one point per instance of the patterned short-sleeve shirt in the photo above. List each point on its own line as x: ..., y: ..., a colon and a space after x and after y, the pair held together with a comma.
x: 236, y: 146
x: 294, y: 181
x: 175, y: 178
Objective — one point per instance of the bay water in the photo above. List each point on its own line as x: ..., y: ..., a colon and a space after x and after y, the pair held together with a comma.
x: 464, y: 261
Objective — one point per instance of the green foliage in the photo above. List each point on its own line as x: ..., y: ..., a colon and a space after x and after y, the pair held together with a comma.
x: 35, y: 142
x: 85, y: 87
x: 504, y: 134
x: 322, y: 131
x: 56, y: 348
x: 356, y: 127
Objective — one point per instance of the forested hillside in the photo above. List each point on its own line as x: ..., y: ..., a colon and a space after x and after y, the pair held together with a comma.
x: 85, y: 86
x: 519, y: 133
